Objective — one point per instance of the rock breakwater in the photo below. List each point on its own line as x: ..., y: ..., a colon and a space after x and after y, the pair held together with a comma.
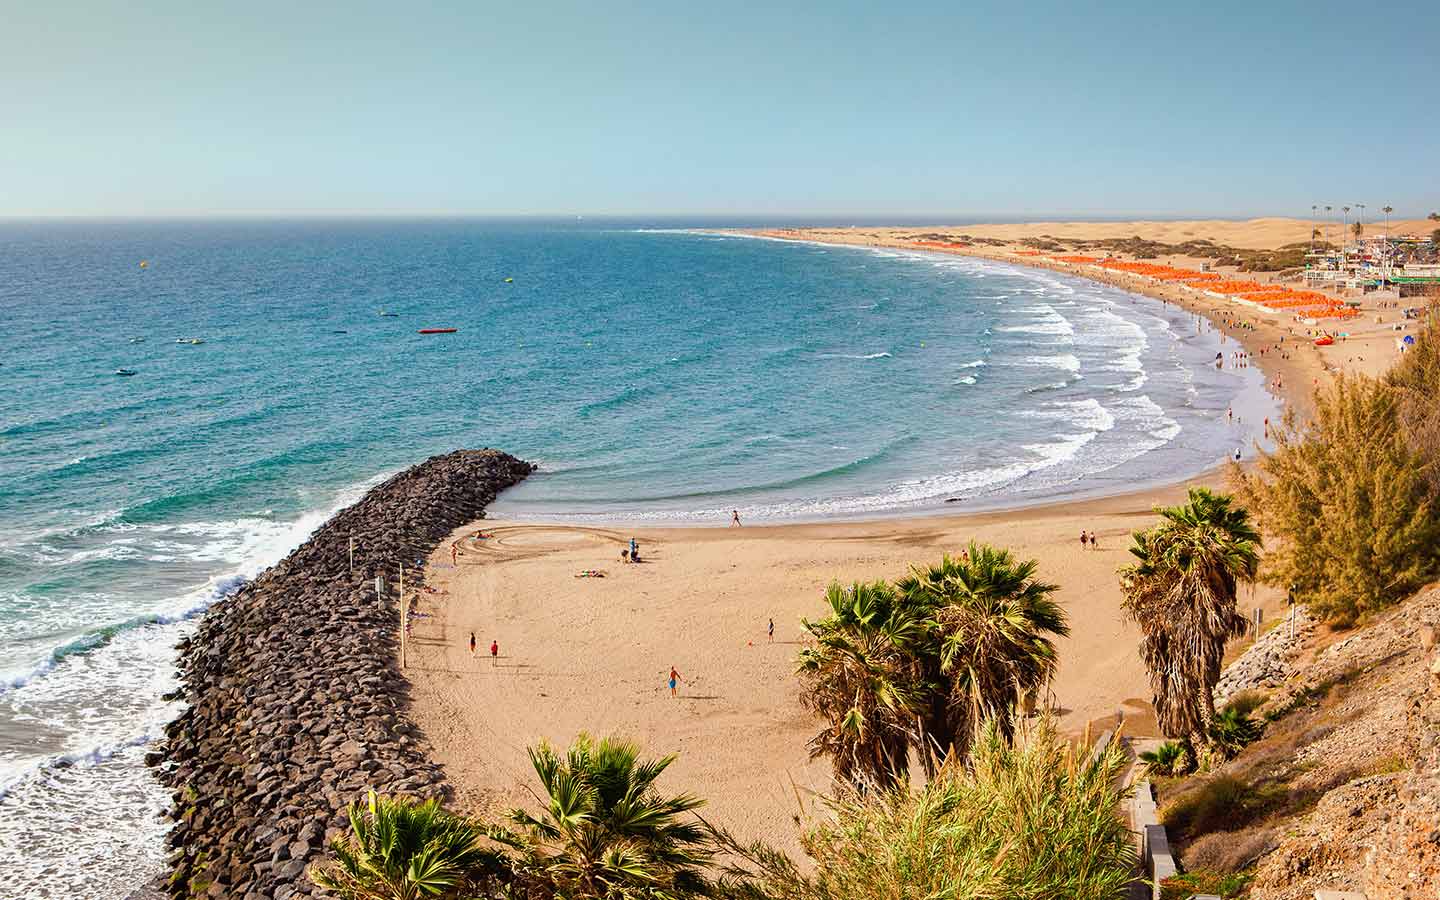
x: 296, y: 701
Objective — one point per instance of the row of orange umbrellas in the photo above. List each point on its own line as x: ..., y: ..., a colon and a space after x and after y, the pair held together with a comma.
x: 1312, y: 304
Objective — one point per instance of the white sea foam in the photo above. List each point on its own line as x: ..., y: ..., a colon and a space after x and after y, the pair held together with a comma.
x: 881, y: 355
x: 1068, y: 361
x: 99, y: 695
x: 1048, y: 321
x: 1088, y: 413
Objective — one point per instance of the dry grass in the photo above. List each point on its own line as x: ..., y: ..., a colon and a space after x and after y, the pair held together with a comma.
x: 1225, y: 852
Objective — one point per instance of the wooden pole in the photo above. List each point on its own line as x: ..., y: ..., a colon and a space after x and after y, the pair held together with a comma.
x: 352, y: 554
x: 404, y: 611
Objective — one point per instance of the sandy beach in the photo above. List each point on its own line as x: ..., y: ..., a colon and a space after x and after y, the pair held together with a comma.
x: 593, y: 653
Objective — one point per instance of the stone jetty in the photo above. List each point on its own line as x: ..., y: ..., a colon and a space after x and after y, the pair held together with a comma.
x: 296, y: 700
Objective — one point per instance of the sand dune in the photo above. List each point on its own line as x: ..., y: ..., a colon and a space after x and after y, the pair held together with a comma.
x: 1252, y: 234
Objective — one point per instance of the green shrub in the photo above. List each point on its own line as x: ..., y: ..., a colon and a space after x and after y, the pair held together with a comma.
x: 1352, y: 502
x: 1170, y: 758
x: 1035, y: 821
x: 1233, y: 729
x: 399, y: 849
x: 1247, y: 701
x: 1181, y: 887
x: 1222, y: 803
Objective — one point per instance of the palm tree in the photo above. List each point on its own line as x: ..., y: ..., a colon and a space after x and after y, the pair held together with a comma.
x: 1387, y: 210
x: 400, y: 849
x: 1327, y: 223
x: 865, y: 677
x: 1357, y: 229
x: 1182, y: 595
x: 605, y: 831
x: 993, y: 627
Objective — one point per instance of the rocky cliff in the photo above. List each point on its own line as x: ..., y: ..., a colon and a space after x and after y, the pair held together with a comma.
x: 296, y: 702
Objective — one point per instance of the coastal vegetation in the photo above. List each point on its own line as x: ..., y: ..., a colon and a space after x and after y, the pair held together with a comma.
x: 1051, y: 828
x: 865, y: 679
x: 1182, y: 594
x: 1354, y: 495
x: 1030, y: 817
x: 404, y: 850
x: 604, y: 830
x: 1289, y: 256
x: 918, y: 665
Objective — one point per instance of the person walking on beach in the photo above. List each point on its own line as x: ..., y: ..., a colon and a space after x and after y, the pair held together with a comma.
x: 734, y: 518
x: 1084, y: 540
x: 472, y: 645
x: 674, y: 680
x: 453, y: 552
x: 772, y: 631
x: 494, y: 651
x: 1094, y: 541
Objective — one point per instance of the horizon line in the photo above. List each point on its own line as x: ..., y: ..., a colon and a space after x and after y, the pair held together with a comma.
x: 896, y: 218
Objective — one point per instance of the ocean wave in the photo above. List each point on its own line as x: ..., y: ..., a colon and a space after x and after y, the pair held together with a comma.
x: 1068, y: 361
x: 89, y: 756
x: 880, y: 355
x: 1049, y: 386
x: 623, y: 397
x: 101, y: 637
x: 255, y: 543
x: 1087, y: 413
x: 968, y: 379
x: 1049, y: 322
x: 973, y: 364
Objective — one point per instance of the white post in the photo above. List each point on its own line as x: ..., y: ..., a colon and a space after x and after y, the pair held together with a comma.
x: 404, y: 612
x: 352, y: 554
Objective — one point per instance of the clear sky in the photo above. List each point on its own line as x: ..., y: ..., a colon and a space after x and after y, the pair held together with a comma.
x: 940, y: 109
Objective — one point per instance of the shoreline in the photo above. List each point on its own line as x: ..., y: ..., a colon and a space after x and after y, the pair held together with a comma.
x: 589, y: 654
x: 1292, y: 392
x: 1299, y: 374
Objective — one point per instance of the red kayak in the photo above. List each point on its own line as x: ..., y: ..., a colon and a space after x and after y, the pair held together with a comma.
x: 438, y: 330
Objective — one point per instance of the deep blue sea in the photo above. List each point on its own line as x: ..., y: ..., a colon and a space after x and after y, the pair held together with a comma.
x: 655, y: 374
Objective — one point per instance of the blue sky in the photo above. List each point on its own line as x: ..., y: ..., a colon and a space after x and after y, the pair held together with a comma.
x: 942, y: 110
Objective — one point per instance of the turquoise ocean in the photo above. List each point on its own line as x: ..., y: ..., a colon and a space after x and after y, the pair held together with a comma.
x: 657, y: 374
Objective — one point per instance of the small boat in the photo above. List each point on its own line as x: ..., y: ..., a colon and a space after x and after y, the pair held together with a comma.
x: 438, y: 330
x: 388, y: 315
x: 191, y: 341
x: 137, y: 340
x: 1325, y: 341
x: 509, y: 281
x: 125, y: 372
